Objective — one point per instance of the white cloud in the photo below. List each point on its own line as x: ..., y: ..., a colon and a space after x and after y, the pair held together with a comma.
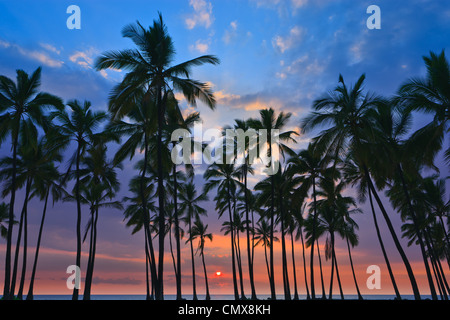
x: 42, y: 57
x: 231, y: 32
x: 199, y: 46
x: 84, y: 58
x: 202, y: 15
x: 292, y: 39
x: 50, y: 48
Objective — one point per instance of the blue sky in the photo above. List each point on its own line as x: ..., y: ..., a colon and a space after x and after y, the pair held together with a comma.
x: 274, y: 53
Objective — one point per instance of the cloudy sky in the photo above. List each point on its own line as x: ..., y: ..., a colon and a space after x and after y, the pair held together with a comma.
x: 274, y: 53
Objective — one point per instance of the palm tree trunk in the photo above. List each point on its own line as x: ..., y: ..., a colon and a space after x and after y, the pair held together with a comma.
x: 78, y: 230
x: 239, y: 263
x: 208, y: 297
x: 418, y: 232
x: 38, y: 245
x: 17, y: 252
x: 287, y: 293
x: 249, y: 254
x: 380, y: 240
x: 293, y: 266
x: 161, y: 112
x: 273, y: 294
x: 324, y: 297
x: 394, y: 236
x: 337, y: 273
x: 147, y: 231
x: 177, y: 232
x: 353, y: 271
x: 86, y: 294
x: 330, y: 296
x: 313, y: 237
x: 304, y: 265
x: 230, y: 217
x: 25, y: 247
x: 267, y: 262
x: 7, y: 282
x: 194, y: 287
x: 147, y: 259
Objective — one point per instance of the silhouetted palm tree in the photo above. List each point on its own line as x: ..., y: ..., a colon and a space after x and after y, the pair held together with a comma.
x: 20, y: 101
x: 430, y: 95
x: 273, y: 125
x: 348, y: 111
x: 199, y: 230
x: 150, y: 70
x: 79, y: 126
x: 189, y: 206
x: 223, y: 177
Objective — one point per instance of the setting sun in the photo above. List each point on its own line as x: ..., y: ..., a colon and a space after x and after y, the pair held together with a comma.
x: 218, y: 273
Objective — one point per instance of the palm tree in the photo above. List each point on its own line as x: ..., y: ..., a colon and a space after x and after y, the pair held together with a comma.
x: 263, y: 237
x: 199, y: 230
x: 298, y: 223
x: 430, y: 95
x: 150, y: 70
x: 98, y: 189
x: 273, y: 124
x: 242, y: 126
x: 348, y: 232
x: 20, y: 101
x: 175, y: 120
x: 138, y: 218
x: 310, y: 166
x: 353, y: 175
x: 390, y: 128
x: 348, y: 112
x: 139, y: 130
x: 223, y: 177
x: 189, y: 205
x: 48, y: 184
x: 78, y: 126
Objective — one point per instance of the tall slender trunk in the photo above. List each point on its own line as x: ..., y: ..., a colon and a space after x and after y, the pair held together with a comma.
x: 25, y: 245
x: 394, y: 236
x: 249, y: 253
x: 18, y: 241
x: 267, y: 262
x: 353, y: 271
x: 38, y: 245
x: 273, y: 294
x: 7, y: 282
x: 418, y: 232
x: 90, y: 273
x: 161, y: 112
x: 147, y: 259
x: 380, y: 240
x: 177, y: 232
x: 194, y: 287
x: 239, y: 263
x: 86, y: 294
x: 337, y: 273
x: 304, y: 265
x: 208, y: 297
x: 287, y: 292
x: 147, y: 231
x: 324, y: 297
x: 330, y: 295
x: 78, y: 230
x: 233, y: 265
x: 313, y: 237
x: 293, y: 266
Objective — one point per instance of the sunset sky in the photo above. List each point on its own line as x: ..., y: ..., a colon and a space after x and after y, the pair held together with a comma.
x: 274, y: 53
